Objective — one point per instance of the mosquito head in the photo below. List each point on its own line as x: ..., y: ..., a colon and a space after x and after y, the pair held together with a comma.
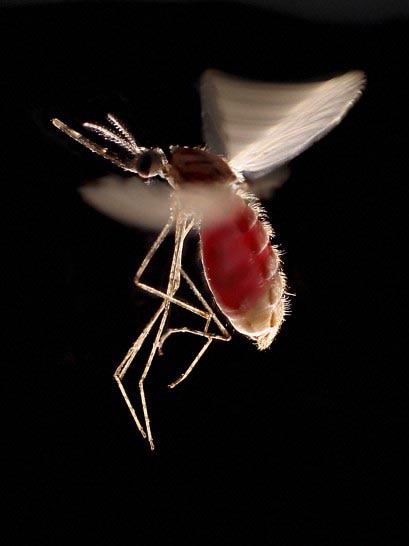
x: 150, y: 163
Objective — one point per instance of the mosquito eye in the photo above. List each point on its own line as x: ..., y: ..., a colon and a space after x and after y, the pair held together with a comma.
x: 144, y: 164
x: 150, y: 163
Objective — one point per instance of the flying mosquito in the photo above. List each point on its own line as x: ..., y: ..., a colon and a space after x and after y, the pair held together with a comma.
x: 252, y: 130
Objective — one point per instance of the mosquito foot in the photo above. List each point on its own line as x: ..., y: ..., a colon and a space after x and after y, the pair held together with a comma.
x: 179, y: 380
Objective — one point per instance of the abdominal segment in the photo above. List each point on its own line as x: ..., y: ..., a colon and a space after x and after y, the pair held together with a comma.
x: 244, y: 273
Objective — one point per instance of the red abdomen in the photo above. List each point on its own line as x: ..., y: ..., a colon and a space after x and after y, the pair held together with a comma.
x: 243, y: 272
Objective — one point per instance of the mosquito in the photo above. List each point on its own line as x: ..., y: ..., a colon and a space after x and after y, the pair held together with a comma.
x: 252, y: 130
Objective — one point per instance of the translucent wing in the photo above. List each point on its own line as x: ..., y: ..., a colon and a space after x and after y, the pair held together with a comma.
x: 260, y: 126
x: 133, y: 202
x: 130, y: 200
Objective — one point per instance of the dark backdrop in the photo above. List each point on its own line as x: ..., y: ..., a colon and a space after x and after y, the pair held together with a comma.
x: 300, y: 445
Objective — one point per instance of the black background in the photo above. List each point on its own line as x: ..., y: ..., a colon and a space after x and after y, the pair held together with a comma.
x: 301, y: 445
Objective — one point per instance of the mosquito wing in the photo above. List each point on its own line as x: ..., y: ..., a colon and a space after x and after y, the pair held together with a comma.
x: 133, y: 202
x: 260, y: 126
x: 130, y: 201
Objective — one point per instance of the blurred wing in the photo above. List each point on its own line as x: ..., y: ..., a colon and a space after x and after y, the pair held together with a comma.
x: 133, y: 202
x: 130, y: 200
x: 260, y: 126
x: 264, y: 185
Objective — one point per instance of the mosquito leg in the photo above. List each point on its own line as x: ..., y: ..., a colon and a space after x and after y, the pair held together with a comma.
x: 146, y: 370
x: 161, y: 237
x: 173, y: 300
x: 121, y: 370
x: 192, y: 365
x: 202, y: 300
x: 203, y: 333
x: 159, y: 293
x: 185, y: 330
x: 210, y: 315
x: 123, y: 367
x: 210, y: 338
x: 182, y: 229
x: 126, y: 362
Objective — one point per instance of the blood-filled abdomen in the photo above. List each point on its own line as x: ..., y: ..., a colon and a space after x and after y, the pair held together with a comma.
x: 243, y: 271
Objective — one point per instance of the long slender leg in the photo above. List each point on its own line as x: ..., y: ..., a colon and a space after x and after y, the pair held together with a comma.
x: 121, y: 370
x: 176, y: 301
x: 209, y: 314
x: 205, y: 304
x: 174, y: 281
x: 163, y: 295
x: 223, y: 336
x: 127, y: 361
x: 161, y: 237
x: 186, y: 330
x: 182, y: 229
x: 193, y: 364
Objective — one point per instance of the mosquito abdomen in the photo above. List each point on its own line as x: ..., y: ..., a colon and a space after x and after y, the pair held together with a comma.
x: 243, y: 271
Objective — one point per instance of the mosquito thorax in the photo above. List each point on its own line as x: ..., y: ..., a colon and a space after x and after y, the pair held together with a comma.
x: 150, y: 163
x: 191, y: 165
